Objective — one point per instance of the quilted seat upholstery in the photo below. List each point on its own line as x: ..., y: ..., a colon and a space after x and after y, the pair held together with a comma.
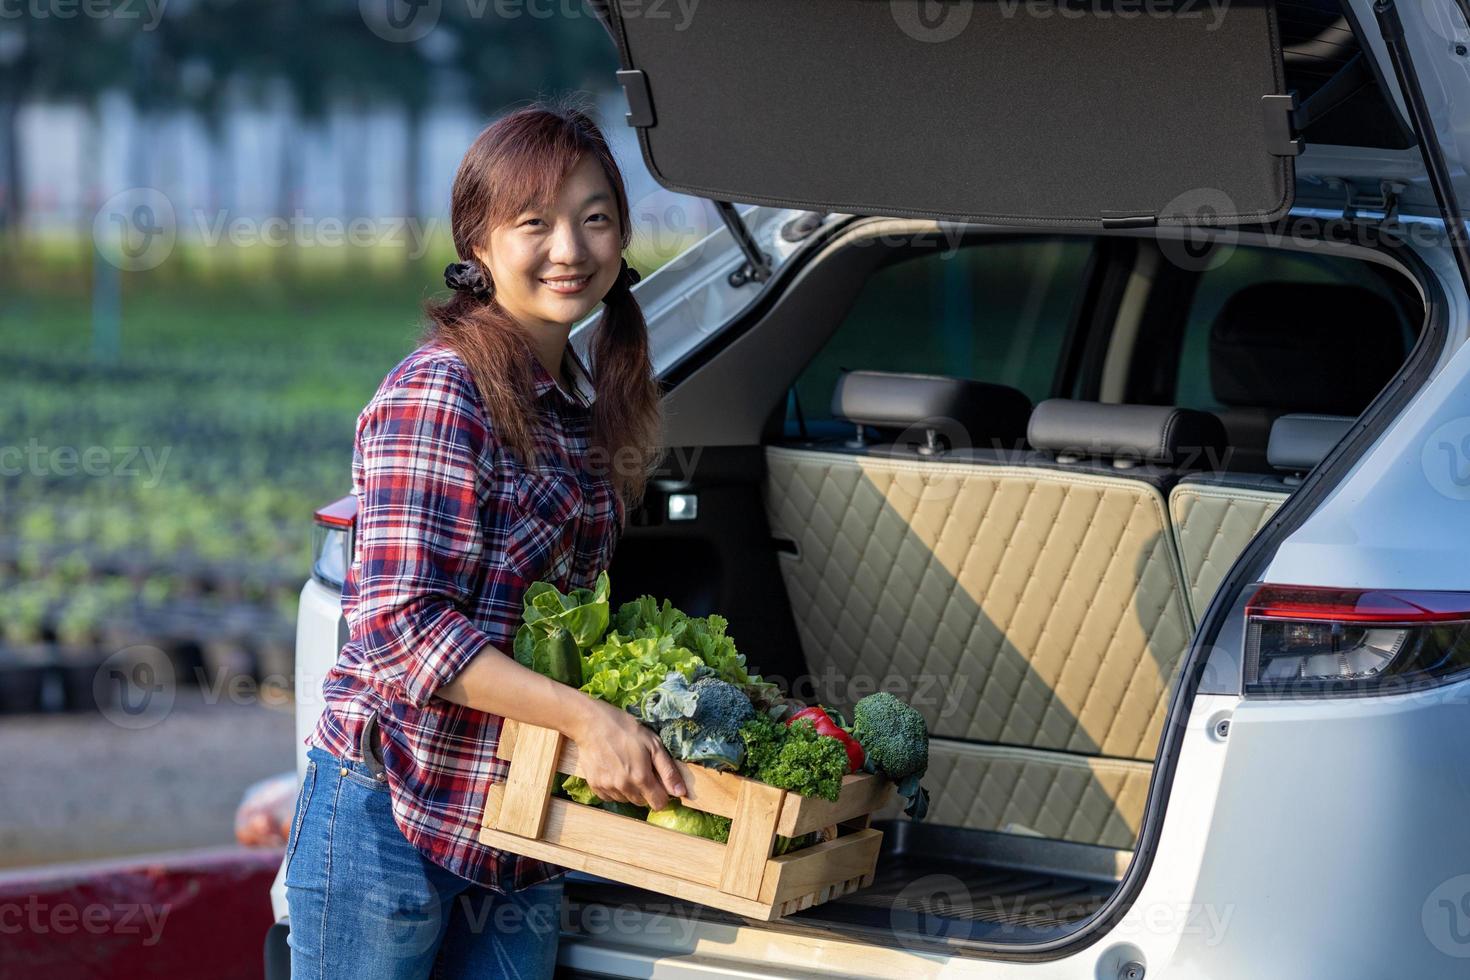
x: 1213, y: 524
x: 1018, y: 606
x: 1070, y: 797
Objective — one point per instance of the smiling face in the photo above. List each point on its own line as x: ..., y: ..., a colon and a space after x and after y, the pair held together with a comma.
x: 552, y: 267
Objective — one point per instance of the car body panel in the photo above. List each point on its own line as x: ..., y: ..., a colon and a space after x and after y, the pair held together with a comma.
x: 1336, y: 844
x: 1401, y: 517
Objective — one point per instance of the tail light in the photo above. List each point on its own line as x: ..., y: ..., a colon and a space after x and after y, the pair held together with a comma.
x: 1321, y: 641
x: 331, y: 541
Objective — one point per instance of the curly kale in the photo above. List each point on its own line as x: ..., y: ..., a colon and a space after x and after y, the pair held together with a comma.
x: 793, y: 757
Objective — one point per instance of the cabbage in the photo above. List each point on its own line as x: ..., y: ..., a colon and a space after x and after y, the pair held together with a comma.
x: 576, y: 789
x: 687, y: 820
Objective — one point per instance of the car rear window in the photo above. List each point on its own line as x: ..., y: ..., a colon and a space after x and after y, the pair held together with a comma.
x: 1245, y: 267
x: 996, y: 312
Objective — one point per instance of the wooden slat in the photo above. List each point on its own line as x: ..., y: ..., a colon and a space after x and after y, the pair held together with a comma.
x: 810, y: 869
x: 642, y: 846
x: 861, y: 793
x: 505, y: 748
x: 752, y: 837
x: 708, y: 789
x: 528, y: 787
x: 605, y: 867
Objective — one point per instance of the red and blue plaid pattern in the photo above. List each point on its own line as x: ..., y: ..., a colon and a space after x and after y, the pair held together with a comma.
x: 451, y: 530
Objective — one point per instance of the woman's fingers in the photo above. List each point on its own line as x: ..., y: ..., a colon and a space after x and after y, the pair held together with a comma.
x: 650, y: 787
x: 638, y: 770
x: 653, y: 791
x: 668, y: 773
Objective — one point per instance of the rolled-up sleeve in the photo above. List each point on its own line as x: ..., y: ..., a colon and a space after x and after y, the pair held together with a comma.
x: 422, y: 446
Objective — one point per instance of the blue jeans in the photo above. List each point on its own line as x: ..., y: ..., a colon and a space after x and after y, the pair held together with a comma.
x: 366, y: 905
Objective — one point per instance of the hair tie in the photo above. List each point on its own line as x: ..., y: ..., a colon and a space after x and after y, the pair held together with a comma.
x: 469, y: 277
x: 627, y: 277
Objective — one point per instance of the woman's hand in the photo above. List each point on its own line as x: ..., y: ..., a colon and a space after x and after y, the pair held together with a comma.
x: 624, y: 761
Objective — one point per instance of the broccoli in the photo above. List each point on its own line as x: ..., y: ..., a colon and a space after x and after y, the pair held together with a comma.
x: 892, y: 734
x: 720, y: 705
x: 700, y: 721
x: 794, y: 757
x: 896, y: 741
x: 674, y: 698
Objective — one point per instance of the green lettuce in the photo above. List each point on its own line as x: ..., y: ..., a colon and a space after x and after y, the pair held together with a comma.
x: 650, y: 639
x: 582, y: 612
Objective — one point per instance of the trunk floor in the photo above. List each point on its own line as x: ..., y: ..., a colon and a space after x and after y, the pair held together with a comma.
x: 938, y: 884
x: 949, y: 898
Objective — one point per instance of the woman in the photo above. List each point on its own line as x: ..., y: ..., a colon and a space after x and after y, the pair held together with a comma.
x: 487, y: 460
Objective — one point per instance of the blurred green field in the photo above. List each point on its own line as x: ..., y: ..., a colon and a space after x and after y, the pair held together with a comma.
x: 212, y: 420
x: 224, y: 417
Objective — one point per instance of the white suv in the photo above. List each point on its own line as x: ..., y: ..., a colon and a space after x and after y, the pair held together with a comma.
x: 1131, y: 445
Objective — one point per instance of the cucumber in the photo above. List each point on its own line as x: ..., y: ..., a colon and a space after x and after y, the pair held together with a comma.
x: 563, y: 658
x: 563, y: 664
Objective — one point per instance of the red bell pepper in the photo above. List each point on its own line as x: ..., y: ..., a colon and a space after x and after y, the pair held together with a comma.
x: 824, y: 725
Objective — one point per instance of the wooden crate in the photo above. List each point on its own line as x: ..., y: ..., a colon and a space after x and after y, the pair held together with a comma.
x: 740, y: 876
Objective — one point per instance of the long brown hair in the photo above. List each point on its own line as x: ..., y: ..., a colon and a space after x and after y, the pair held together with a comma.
x: 518, y: 163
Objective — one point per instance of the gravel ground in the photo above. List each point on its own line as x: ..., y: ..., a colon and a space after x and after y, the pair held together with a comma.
x: 84, y: 786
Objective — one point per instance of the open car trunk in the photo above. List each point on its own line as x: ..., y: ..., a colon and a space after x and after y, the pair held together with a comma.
x: 1038, y: 615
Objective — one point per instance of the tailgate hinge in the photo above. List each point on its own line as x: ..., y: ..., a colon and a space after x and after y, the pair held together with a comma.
x: 757, y: 265
x: 1355, y: 203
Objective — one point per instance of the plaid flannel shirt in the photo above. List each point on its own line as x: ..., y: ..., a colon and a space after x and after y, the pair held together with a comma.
x: 450, y: 533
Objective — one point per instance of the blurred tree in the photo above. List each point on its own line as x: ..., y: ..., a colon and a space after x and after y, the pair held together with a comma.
x: 300, y: 58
